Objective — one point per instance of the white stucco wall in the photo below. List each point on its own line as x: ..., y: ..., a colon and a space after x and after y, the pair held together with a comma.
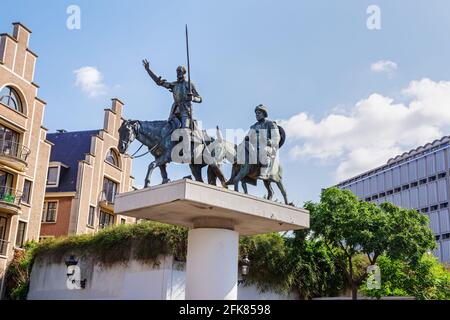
x: 135, y: 281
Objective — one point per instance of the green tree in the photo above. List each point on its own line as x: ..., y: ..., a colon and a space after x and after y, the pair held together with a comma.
x: 311, y: 268
x: 358, y: 232
x: 291, y: 263
x: 267, y: 254
x: 427, y: 279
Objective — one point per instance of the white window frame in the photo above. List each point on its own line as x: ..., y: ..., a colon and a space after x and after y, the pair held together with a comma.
x: 116, y: 156
x: 25, y: 234
x: 30, y: 193
x: 44, y: 211
x: 57, y: 176
x: 114, y: 219
x: 117, y: 187
x: 92, y: 226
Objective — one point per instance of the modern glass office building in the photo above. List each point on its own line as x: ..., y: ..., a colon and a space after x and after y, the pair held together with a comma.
x: 418, y: 179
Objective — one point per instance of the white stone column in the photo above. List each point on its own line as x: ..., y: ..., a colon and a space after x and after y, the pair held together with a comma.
x: 212, y: 264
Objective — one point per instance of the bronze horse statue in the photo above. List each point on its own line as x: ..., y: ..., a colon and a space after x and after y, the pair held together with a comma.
x: 156, y: 135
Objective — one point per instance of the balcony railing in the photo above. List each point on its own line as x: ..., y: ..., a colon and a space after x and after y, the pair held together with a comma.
x: 10, y: 196
x: 13, y: 149
x: 3, y: 247
x: 108, y: 196
x: 107, y: 200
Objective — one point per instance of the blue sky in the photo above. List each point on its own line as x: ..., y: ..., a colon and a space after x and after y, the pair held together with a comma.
x: 310, y: 59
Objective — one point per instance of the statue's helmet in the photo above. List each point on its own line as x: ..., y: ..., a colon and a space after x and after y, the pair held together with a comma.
x: 263, y: 109
x: 181, y: 69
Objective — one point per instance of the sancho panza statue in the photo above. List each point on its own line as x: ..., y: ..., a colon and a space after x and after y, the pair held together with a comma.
x: 267, y: 142
x: 257, y: 155
x: 181, y: 112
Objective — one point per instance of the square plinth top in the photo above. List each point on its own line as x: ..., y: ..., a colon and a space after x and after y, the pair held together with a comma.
x: 184, y: 201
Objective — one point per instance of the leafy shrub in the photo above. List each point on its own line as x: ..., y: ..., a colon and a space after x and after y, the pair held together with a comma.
x: 18, y: 273
x: 144, y: 241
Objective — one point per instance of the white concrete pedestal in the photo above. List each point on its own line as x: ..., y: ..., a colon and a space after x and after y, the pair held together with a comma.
x: 212, y: 264
x: 217, y: 217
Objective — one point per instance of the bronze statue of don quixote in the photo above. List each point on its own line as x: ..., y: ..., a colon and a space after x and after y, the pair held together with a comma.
x: 179, y: 139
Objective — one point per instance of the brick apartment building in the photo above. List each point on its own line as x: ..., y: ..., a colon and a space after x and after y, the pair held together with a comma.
x: 85, y: 172
x: 24, y: 150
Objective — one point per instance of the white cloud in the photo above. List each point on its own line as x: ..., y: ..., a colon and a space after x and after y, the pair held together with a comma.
x: 384, y: 66
x: 374, y: 130
x: 90, y: 80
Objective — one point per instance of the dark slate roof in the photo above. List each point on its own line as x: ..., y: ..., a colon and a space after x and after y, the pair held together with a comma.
x: 69, y: 148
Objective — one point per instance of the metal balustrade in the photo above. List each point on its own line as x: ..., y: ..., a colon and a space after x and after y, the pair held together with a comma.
x: 10, y: 195
x: 13, y: 149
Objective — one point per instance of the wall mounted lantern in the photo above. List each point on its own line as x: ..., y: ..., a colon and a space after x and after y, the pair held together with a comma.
x: 245, y: 266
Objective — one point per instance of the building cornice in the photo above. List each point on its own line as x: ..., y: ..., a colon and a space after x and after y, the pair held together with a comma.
x: 14, y: 125
x: 60, y: 194
x: 10, y: 169
x: 98, y: 136
x: 411, y: 156
x: 23, y: 26
x: 57, y: 163
x: 117, y: 99
x: 8, y: 36
x: 41, y: 101
x: 31, y: 52
x: 424, y: 147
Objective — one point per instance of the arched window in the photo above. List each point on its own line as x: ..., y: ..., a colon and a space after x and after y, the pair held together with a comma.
x: 10, y: 98
x: 112, y: 158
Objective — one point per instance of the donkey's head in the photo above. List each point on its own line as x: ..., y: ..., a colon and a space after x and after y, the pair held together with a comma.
x: 219, y: 150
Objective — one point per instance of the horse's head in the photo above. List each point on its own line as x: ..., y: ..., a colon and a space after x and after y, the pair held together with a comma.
x: 127, y: 133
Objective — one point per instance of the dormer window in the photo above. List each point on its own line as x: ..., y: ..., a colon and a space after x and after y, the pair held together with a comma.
x: 53, y: 176
x: 10, y: 98
x: 112, y: 158
x: 54, y: 173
